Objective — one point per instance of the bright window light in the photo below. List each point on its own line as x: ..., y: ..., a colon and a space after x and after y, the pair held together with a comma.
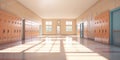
x: 68, y: 22
x: 68, y: 25
x: 48, y: 26
x: 48, y: 22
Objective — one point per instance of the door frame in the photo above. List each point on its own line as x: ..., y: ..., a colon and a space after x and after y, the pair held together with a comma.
x: 82, y: 32
x: 59, y: 30
x: 111, y: 24
x: 23, y: 31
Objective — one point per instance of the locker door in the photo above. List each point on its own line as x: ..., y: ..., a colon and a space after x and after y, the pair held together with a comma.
x: 115, y: 27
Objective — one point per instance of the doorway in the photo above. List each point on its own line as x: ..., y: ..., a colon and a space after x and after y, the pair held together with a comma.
x: 40, y: 30
x: 58, y: 30
x: 115, y: 27
x: 82, y: 30
x: 23, y: 31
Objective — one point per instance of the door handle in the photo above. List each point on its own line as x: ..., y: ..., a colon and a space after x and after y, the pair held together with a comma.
x: 116, y: 30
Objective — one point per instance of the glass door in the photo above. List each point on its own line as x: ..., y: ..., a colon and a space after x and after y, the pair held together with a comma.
x: 58, y: 29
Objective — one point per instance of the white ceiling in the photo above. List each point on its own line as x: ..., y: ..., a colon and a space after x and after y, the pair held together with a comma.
x: 58, y: 9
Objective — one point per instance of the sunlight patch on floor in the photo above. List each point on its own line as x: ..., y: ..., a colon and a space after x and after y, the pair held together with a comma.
x: 75, y: 47
x: 77, y: 51
x: 19, y: 48
x: 48, y: 46
x: 84, y: 56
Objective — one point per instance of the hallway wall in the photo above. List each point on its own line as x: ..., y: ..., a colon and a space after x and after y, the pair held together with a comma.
x: 62, y: 24
x: 16, y: 8
x: 54, y: 27
x: 98, y: 8
x: 63, y: 27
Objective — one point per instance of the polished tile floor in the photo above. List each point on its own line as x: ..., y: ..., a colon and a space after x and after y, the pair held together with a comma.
x: 60, y: 48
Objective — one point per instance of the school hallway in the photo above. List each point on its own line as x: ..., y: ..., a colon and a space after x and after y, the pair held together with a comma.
x: 59, y: 29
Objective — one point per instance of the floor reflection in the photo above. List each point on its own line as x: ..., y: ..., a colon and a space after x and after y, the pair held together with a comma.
x: 61, y: 48
x: 84, y: 56
x: 46, y: 47
x: 19, y: 48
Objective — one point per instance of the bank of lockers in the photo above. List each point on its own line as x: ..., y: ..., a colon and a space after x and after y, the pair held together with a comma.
x: 101, y: 27
x: 11, y: 28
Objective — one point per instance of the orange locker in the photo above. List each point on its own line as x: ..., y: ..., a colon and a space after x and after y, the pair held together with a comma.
x: 12, y: 29
x: 20, y: 28
x: 95, y: 30
x: 102, y: 35
x: 102, y: 28
x: 1, y: 29
x: 97, y: 27
x: 107, y: 34
x: 27, y: 23
x: 17, y: 27
x: 7, y: 30
x: 4, y: 32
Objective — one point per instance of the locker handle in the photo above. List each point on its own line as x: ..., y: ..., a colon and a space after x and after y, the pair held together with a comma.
x: 8, y: 31
x: 105, y: 31
x: 102, y: 31
x: 3, y: 31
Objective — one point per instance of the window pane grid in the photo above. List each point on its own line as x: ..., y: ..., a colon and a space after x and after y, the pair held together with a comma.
x: 48, y: 22
x: 68, y: 28
x: 68, y: 25
x: 68, y: 22
x: 48, y: 26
